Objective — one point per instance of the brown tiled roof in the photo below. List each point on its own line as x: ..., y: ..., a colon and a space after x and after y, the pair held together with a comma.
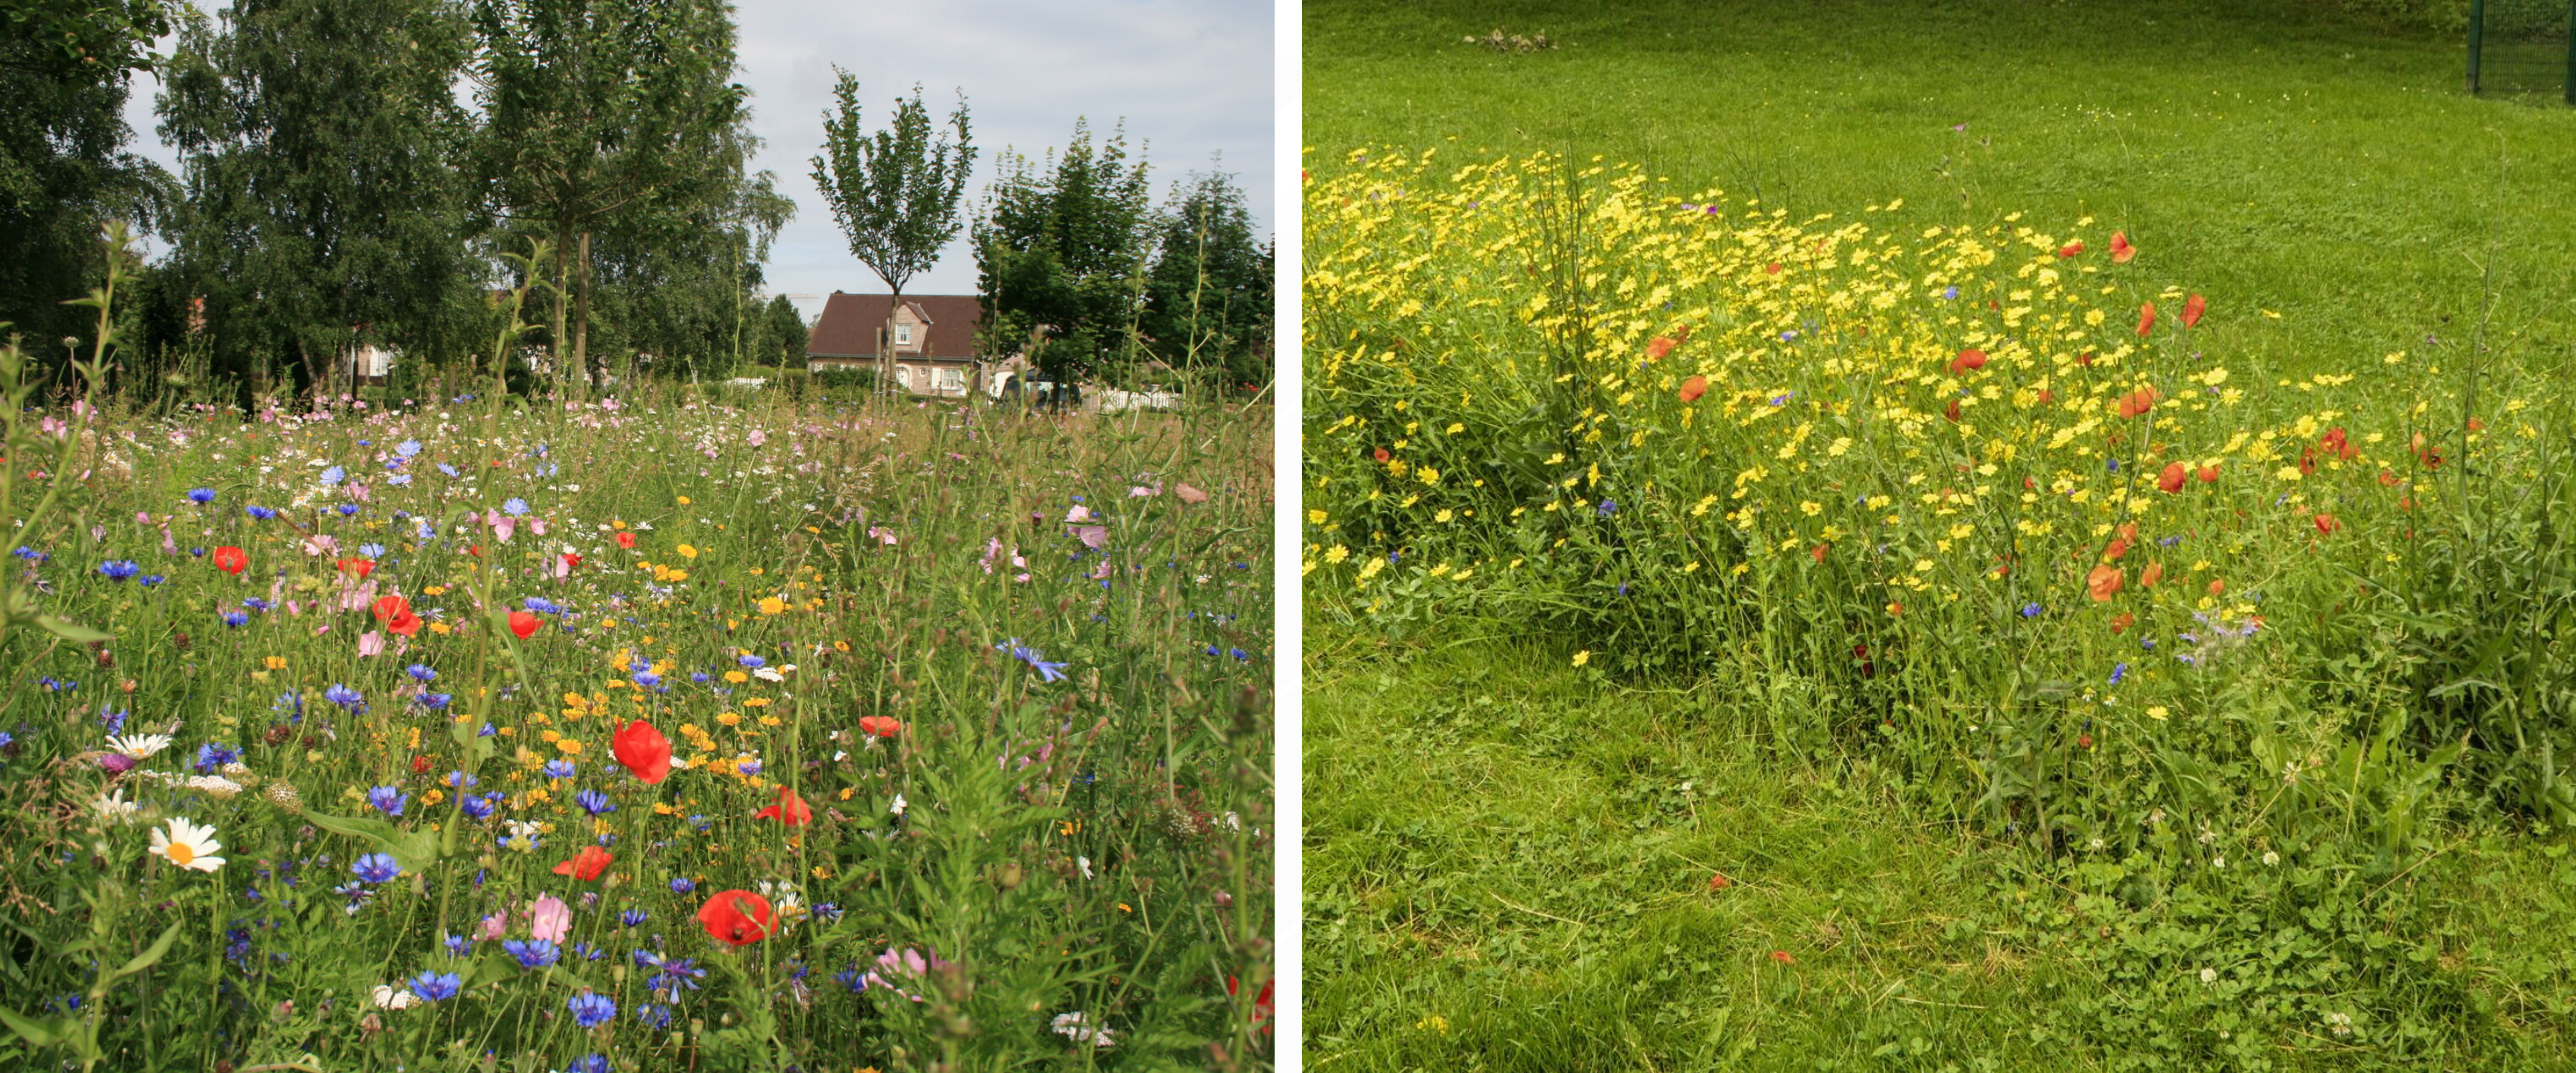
x: 850, y: 322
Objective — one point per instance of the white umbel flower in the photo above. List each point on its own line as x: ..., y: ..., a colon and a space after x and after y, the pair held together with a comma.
x: 389, y: 997
x: 216, y: 785
x: 1078, y: 1027
x: 187, y: 845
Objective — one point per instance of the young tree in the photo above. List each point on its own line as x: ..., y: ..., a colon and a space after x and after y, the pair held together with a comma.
x: 1208, y: 296
x: 322, y: 209
x: 1061, y: 251
x: 893, y: 192
x: 784, y: 330
x: 606, y: 119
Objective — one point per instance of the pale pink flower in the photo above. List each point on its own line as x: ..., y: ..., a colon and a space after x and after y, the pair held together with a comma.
x: 1079, y: 513
x: 494, y: 926
x: 1189, y: 494
x: 550, y: 919
x: 371, y: 643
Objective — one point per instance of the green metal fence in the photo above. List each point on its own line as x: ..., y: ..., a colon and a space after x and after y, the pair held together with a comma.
x: 2523, y: 48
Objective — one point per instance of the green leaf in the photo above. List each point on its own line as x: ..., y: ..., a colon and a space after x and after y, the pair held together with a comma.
x: 490, y: 968
x: 71, y: 631
x: 413, y: 850
x: 146, y: 959
x: 36, y: 1033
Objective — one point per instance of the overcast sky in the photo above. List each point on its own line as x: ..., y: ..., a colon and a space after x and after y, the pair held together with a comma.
x: 1191, y: 78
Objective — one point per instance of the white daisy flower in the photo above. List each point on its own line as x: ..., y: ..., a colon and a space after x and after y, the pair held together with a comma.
x: 187, y: 845
x: 139, y: 746
x: 900, y: 804
x: 389, y: 997
x: 768, y: 674
x: 114, y: 806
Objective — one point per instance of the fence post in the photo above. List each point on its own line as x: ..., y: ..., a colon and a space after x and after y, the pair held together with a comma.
x: 2570, y: 79
x: 2477, y: 38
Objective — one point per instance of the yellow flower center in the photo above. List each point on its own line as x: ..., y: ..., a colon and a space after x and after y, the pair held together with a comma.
x: 180, y: 854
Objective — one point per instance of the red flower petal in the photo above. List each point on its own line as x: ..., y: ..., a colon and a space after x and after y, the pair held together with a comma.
x: 643, y: 750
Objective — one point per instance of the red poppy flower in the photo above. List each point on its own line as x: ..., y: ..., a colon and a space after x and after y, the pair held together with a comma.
x: 1660, y: 346
x: 524, y: 624
x: 585, y: 865
x: 735, y: 917
x: 2070, y: 249
x: 571, y: 561
x: 406, y: 624
x: 2191, y: 310
x: 389, y: 606
x: 358, y: 566
x: 1693, y: 388
x: 2146, y: 318
x: 1782, y: 956
x: 1262, y: 1006
x: 790, y: 810
x: 420, y: 765
x: 2137, y: 402
x: 2085, y: 359
x: 2121, y: 251
x: 1818, y: 552
x: 880, y: 726
x: 1951, y: 411
x: 2148, y: 577
x: 2209, y: 474
x: 2326, y: 524
x: 1773, y: 268
x: 1719, y: 881
x: 231, y: 560
x: 2103, y: 583
x: 1968, y: 361
x: 643, y: 750
x: 2173, y: 476
x: 1380, y: 454
x: 625, y: 540
x: 2120, y: 622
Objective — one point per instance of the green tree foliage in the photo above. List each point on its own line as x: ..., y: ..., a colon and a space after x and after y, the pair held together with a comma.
x: 894, y: 192
x: 779, y: 335
x: 1061, y: 251
x: 613, y: 126
x: 64, y: 72
x: 1209, y: 294
x: 321, y: 207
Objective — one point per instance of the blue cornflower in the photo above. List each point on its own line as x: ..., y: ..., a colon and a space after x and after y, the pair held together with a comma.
x: 435, y: 986
x: 677, y: 973
x: 632, y: 918
x: 532, y: 953
x: 647, y: 679
x: 2119, y: 671
x: 407, y: 448
x: 117, y: 570
x: 348, y: 510
x: 2030, y: 610
x: 259, y: 512
x: 593, y: 802
x: 212, y: 755
x: 256, y: 603
x: 751, y: 662
x: 682, y: 886
x: 372, y: 550
x: 748, y: 767
x: 591, y: 1011
x: 334, y: 475
x: 458, y: 945
x: 447, y: 469
x: 656, y: 1016
x: 588, y: 1063
x: 1047, y: 672
x: 853, y: 979
x: 540, y: 605
x: 514, y: 506
x: 344, y: 696
x: 376, y: 868
x: 476, y: 808
x: 1607, y: 507
x: 399, y: 479
x: 1951, y: 291
x: 433, y: 701
x: 559, y: 769
x: 422, y: 672
x: 235, y: 618
x: 201, y: 495
x: 113, y: 720
x: 149, y: 580
x: 458, y: 780
x: 701, y: 677
x: 388, y: 800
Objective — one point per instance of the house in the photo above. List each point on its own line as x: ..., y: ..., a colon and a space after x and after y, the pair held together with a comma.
x: 934, y: 339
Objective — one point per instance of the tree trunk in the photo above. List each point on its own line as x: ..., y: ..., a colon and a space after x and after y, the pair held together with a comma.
x: 314, y: 381
x: 581, y: 319
x: 555, y: 341
x: 885, y: 343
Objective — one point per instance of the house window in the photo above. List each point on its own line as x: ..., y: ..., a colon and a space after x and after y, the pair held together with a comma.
x: 903, y: 335
x: 952, y: 380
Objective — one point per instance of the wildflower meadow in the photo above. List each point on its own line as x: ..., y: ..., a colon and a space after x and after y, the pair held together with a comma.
x: 1920, y: 632
x: 675, y: 729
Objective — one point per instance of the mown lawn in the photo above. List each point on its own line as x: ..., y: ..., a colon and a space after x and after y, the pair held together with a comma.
x: 1509, y: 860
